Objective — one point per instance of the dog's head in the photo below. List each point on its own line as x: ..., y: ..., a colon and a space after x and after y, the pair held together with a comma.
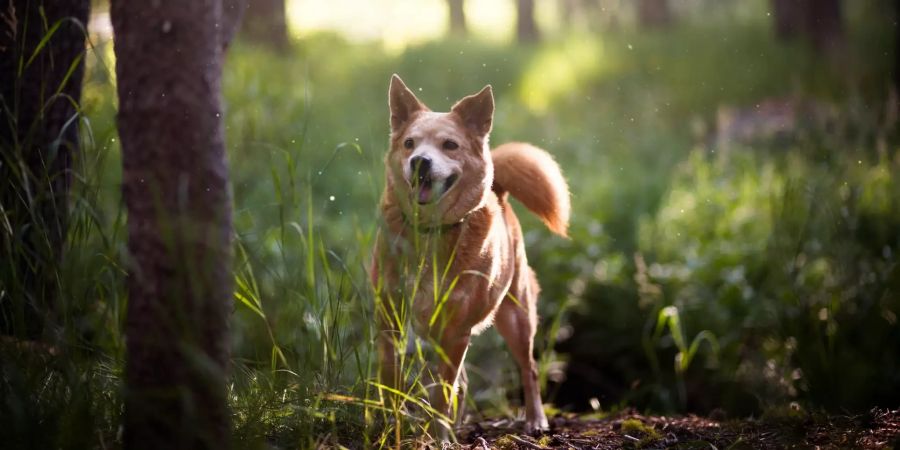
x: 439, y: 164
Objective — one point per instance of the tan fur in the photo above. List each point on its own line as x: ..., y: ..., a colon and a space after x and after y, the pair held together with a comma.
x: 468, y: 240
x: 533, y: 177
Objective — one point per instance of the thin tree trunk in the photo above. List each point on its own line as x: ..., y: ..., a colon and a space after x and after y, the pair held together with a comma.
x: 654, y: 14
x: 819, y: 22
x: 897, y: 47
x: 526, y: 26
x: 38, y: 137
x: 457, y: 17
x: 571, y: 10
x: 169, y: 56
x: 789, y: 17
x: 826, y: 24
x: 265, y: 22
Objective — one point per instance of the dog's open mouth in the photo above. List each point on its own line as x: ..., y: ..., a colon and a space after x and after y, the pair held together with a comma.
x: 428, y: 190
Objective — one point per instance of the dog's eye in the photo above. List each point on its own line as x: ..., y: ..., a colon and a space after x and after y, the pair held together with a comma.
x: 450, y: 145
x: 408, y: 143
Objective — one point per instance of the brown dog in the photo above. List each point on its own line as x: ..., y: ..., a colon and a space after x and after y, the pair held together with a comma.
x: 452, y: 243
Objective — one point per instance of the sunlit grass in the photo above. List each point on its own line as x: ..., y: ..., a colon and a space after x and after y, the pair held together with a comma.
x: 564, y: 69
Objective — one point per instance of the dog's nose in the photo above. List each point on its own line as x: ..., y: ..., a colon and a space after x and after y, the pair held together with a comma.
x: 420, y: 165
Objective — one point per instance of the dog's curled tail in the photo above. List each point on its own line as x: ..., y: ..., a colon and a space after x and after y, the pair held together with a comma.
x: 532, y: 176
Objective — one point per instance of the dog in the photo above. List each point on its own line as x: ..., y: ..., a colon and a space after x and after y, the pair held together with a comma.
x: 451, y: 242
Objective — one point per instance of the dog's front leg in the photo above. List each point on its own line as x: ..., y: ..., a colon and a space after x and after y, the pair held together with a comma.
x: 443, y: 393
x: 387, y: 354
x: 388, y: 320
x: 388, y: 335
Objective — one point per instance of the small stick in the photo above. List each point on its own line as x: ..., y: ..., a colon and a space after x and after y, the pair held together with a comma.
x: 527, y: 443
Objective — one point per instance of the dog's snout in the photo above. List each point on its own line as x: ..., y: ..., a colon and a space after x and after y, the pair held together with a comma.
x: 420, y: 165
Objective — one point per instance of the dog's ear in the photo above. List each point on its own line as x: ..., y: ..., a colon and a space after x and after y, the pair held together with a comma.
x: 403, y: 103
x: 477, y: 111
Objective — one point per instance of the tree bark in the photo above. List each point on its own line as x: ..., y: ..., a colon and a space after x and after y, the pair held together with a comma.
x: 526, y: 27
x: 169, y: 57
x: 39, y: 97
x: 265, y: 22
x: 820, y: 22
x: 567, y: 10
x: 826, y: 24
x: 654, y: 14
x: 457, y: 17
x: 790, y: 19
x: 896, y: 47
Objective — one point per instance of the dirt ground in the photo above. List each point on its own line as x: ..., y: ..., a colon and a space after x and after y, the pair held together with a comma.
x: 877, y: 429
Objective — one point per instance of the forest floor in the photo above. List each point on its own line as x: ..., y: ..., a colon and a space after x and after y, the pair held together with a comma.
x: 877, y: 429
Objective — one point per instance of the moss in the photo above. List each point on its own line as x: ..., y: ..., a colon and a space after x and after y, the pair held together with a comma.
x: 596, y: 415
x: 545, y: 441
x: 505, y: 443
x: 790, y: 412
x: 551, y: 410
x: 637, y: 429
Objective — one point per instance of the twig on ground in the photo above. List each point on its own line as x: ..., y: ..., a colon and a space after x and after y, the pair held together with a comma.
x: 528, y: 444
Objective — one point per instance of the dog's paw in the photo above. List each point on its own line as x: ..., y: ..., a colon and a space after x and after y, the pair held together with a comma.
x: 537, y: 426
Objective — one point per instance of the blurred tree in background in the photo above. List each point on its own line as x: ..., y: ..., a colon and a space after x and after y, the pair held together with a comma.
x: 654, y: 13
x: 897, y: 47
x: 265, y: 22
x: 818, y: 21
x: 456, y: 16
x: 526, y: 26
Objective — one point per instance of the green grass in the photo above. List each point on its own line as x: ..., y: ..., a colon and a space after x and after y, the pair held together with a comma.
x: 626, y: 114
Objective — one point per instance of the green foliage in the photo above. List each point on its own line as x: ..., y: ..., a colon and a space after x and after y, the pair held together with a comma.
x: 772, y: 258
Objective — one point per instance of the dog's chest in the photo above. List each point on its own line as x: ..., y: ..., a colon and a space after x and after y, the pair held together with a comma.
x: 464, y: 296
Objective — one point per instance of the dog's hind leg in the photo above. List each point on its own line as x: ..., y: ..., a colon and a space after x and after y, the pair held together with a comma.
x: 516, y: 320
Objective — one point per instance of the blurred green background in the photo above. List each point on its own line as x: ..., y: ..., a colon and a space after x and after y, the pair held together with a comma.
x: 735, y: 228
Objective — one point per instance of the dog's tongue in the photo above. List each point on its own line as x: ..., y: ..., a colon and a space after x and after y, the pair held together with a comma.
x: 425, y: 192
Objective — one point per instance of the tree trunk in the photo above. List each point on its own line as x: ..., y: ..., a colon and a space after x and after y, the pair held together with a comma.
x: 169, y: 57
x: 567, y: 11
x: 826, y: 25
x: 820, y: 22
x: 897, y: 47
x: 526, y: 26
x: 265, y: 22
x: 654, y: 14
x: 38, y: 137
x: 790, y: 19
x: 457, y: 17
